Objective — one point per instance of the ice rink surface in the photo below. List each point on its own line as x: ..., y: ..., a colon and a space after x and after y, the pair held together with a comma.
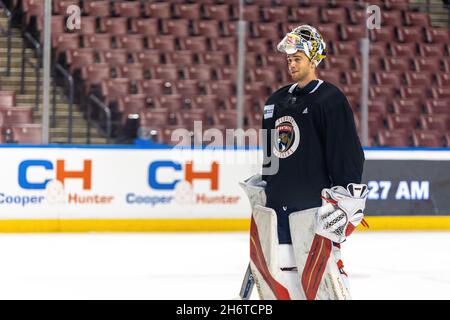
x: 206, y: 266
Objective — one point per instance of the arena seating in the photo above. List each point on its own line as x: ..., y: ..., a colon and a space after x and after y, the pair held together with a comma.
x: 174, y: 62
x: 16, y: 122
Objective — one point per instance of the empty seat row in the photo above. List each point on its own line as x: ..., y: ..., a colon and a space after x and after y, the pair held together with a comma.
x: 415, y: 138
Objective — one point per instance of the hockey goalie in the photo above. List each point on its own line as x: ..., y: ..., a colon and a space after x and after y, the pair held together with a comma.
x: 311, y: 203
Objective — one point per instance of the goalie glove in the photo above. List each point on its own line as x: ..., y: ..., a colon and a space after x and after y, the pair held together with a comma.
x: 341, y: 211
x: 254, y: 188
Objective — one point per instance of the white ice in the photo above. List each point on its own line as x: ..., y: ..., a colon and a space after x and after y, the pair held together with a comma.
x: 381, y: 265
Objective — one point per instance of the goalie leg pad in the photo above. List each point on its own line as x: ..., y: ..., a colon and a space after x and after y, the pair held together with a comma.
x: 318, y: 260
x: 264, y: 254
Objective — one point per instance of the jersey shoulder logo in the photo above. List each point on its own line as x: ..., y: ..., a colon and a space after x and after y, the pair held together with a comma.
x: 268, y: 111
x: 287, y: 137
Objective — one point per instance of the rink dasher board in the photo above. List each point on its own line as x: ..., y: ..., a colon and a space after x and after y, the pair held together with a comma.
x: 95, y: 195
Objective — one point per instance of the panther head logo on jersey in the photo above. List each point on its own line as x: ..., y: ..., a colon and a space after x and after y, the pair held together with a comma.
x: 287, y: 137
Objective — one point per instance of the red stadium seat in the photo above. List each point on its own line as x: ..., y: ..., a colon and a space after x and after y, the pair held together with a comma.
x: 329, y: 31
x: 7, y: 98
x: 346, y: 48
x: 17, y: 115
x: 443, y: 79
x: 427, y: 65
x: 197, y: 44
x: 440, y: 93
x: 188, y: 88
x: 407, y: 106
x: 183, y: 58
x: 168, y: 72
x: 97, y: 8
x: 427, y: 50
x: 251, y: 13
x: 82, y: 57
x: 388, y: 78
x: 352, y: 33
x: 132, y: 104
x: 100, y: 41
x: 178, y: 28
x: 60, y: 6
x: 133, y: 42
x: 413, y: 93
x: 160, y: 10
x: 172, y: 102
x: 396, y: 64
x: 391, y: 18
x: 115, y: 88
x: 116, y: 25
x: 426, y: 138
x: 399, y: 50
x: 256, y: 89
x: 420, y: 19
x: 117, y: 56
x: 27, y: 133
x: 437, y: 106
x: 396, y: 4
x: 385, y: 34
x: 155, y: 117
x: 134, y: 71
x: 146, y: 26
x: 221, y: 88
x: 340, y: 62
x: 201, y: 72
x: 130, y: 9
x: 88, y: 25
x: 308, y: 15
x: 353, y: 77
x: 267, y: 30
x: 334, y: 15
x: 95, y: 73
x: 331, y: 76
x: 191, y: 11
x: 258, y: 46
x: 165, y: 43
x: 402, y: 121
x: 435, y: 122
x: 226, y: 44
x: 155, y: 87
x: 418, y: 79
x: 393, y: 138
x: 275, y: 14
x: 357, y: 17
x: 386, y: 92
x: 207, y: 102
x: 65, y: 41
x: 149, y: 58
x: 437, y: 35
x: 409, y: 34
x: 378, y: 106
x: 218, y: 59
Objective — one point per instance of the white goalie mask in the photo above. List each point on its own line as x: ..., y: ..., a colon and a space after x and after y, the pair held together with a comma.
x: 306, y: 39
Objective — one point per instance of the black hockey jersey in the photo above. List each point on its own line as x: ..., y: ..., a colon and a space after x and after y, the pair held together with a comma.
x: 315, y: 145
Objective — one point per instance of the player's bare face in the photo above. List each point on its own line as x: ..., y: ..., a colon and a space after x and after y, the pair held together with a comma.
x: 299, y: 66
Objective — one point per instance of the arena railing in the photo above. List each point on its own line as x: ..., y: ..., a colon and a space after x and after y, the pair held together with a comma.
x: 70, y: 87
x: 106, y: 110
x: 28, y: 38
x: 7, y: 32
